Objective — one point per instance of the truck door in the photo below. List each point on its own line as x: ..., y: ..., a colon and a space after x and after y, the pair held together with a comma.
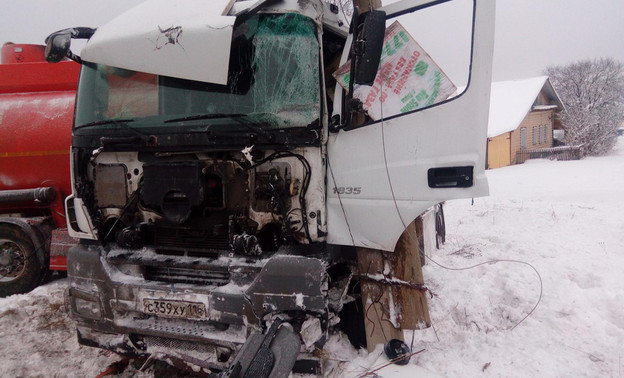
x: 409, y: 152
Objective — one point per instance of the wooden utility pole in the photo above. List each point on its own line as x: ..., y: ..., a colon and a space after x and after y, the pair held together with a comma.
x: 366, y: 5
x: 393, y: 293
x: 380, y: 318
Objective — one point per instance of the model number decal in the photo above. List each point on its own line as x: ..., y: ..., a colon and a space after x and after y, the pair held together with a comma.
x: 348, y: 190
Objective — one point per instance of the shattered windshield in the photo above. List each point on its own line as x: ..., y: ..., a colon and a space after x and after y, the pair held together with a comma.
x: 273, y: 80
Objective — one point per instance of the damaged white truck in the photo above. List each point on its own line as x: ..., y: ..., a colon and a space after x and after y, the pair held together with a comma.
x: 235, y: 202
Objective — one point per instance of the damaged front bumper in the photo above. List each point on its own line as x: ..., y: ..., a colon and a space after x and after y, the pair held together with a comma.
x: 196, y: 311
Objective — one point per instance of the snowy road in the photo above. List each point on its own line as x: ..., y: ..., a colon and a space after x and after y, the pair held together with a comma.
x: 566, y: 219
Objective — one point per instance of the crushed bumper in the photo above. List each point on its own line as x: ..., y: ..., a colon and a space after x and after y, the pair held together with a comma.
x: 109, y: 292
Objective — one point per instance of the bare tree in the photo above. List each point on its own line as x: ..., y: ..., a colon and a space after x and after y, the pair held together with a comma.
x: 593, y: 94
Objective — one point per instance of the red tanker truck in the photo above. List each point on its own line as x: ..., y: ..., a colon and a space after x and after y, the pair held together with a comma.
x: 36, y: 111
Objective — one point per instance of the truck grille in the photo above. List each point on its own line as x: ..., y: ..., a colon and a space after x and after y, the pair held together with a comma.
x: 182, y: 239
x: 187, y: 276
x: 165, y: 345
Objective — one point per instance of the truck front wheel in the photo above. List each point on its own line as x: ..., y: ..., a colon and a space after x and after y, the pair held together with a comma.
x: 20, y: 269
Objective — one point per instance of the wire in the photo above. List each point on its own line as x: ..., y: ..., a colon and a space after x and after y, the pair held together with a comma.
x: 131, y: 201
x: 392, y: 361
x: 499, y: 261
x: 344, y: 213
x: 375, y: 301
x: 383, y: 145
x: 345, y: 14
x: 292, y: 211
x: 304, y: 185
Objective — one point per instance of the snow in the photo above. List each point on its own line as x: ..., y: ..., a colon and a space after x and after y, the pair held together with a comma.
x: 38, y: 339
x: 510, y: 101
x: 299, y: 300
x: 566, y: 219
x: 311, y: 332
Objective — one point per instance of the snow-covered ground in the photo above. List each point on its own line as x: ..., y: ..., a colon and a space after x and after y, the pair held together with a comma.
x: 565, y: 219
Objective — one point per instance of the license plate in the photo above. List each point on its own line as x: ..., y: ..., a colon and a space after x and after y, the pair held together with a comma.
x: 174, y: 309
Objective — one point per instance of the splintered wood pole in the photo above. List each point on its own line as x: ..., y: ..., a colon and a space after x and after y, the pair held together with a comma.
x: 405, y: 265
x: 393, y: 294
x: 380, y: 323
x: 365, y: 5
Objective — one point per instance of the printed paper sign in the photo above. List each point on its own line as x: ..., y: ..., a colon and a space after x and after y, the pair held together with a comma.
x: 407, y: 79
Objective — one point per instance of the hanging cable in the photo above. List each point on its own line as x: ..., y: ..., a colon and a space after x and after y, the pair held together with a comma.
x: 499, y: 261
x: 344, y: 213
x: 383, y: 145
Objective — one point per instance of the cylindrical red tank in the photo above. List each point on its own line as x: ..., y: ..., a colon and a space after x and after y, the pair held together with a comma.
x: 24, y: 69
x: 13, y: 53
x: 36, y: 112
x: 36, y: 136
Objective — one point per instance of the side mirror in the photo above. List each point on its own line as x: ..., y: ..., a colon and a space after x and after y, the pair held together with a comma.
x: 57, y: 47
x: 368, y: 47
x: 366, y: 54
x: 58, y: 43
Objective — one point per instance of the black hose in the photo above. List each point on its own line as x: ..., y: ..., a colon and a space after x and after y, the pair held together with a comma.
x: 45, y: 195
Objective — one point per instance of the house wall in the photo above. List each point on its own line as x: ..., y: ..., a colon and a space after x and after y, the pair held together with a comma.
x: 533, y: 120
x: 542, y: 99
x: 499, y: 153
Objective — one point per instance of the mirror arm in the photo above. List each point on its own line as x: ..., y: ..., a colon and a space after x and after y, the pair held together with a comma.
x: 352, y: 54
x: 79, y: 32
x: 74, y: 57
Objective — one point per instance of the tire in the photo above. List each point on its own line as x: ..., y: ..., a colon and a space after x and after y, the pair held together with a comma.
x: 440, y: 227
x: 20, y: 269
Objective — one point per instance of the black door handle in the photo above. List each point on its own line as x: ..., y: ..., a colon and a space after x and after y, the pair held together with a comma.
x: 450, y: 177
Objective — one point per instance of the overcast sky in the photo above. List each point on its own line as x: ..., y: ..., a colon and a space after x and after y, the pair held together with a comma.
x: 530, y: 34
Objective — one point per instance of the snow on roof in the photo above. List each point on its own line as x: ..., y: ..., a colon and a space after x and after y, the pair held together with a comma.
x: 510, y: 101
x: 545, y: 107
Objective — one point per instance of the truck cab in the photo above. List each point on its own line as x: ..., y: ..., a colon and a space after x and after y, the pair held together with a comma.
x: 224, y: 178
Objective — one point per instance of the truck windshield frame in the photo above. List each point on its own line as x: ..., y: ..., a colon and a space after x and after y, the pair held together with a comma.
x: 273, y: 80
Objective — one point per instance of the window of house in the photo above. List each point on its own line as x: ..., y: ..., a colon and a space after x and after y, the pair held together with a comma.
x: 541, y: 134
x: 523, y: 138
x: 545, y: 133
x: 534, y: 135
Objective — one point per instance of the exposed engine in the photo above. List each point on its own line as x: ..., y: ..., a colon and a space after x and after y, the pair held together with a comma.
x: 199, y: 204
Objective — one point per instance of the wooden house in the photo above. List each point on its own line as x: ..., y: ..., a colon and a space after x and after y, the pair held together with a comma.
x: 523, y: 114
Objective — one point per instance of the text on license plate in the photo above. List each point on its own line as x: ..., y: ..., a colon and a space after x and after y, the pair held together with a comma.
x: 178, y: 309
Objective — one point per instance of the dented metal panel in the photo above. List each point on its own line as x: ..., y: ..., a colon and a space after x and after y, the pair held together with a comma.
x: 184, y: 39
x: 168, y: 38
x: 379, y: 172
